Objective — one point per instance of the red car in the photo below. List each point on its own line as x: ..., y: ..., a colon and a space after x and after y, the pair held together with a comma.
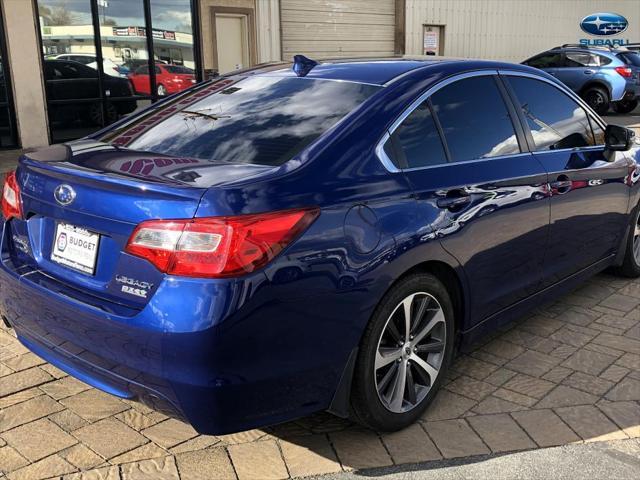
x: 169, y: 79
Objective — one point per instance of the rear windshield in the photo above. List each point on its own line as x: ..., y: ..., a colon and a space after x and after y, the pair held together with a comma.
x: 257, y: 120
x: 630, y: 58
x: 177, y: 69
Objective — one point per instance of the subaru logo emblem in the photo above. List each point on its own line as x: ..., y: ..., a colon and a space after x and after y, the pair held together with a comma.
x: 604, y: 24
x: 64, y: 194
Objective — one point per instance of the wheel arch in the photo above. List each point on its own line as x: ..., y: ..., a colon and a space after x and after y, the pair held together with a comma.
x: 451, y: 279
x: 596, y: 83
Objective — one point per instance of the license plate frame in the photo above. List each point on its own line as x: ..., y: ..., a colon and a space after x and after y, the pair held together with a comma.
x: 75, y: 242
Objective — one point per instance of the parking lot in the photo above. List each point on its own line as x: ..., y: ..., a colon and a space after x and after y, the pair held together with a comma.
x: 569, y: 372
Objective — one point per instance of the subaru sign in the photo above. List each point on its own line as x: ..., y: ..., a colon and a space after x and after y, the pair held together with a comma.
x: 604, y: 24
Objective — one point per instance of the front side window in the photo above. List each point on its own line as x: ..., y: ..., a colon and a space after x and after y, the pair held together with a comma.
x: 258, y: 120
x: 416, y: 142
x: 475, y: 120
x: 556, y: 121
x: 547, y: 60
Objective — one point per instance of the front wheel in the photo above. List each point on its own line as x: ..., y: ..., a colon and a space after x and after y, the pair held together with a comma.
x: 631, y: 264
x: 625, y: 106
x: 404, y: 354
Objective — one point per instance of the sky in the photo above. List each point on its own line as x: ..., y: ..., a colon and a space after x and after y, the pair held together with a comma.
x: 166, y: 14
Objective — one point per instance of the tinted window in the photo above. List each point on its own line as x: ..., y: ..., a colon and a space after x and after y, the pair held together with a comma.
x: 177, y: 69
x: 417, y: 141
x: 474, y: 119
x: 598, y: 132
x: 580, y: 59
x: 556, y: 121
x: 264, y: 120
x: 143, y: 70
x: 548, y: 60
x: 630, y: 58
x: 603, y: 60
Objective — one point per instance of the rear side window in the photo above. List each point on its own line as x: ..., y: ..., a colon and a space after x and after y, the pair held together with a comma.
x: 258, y: 120
x: 416, y: 142
x: 556, y: 121
x: 474, y: 119
x: 580, y: 59
x: 546, y: 60
x: 177, y: 69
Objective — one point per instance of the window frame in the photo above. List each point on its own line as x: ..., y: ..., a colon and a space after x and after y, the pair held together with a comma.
x: 389, y: 164
x: 511, y: 101
x: 528, y: 136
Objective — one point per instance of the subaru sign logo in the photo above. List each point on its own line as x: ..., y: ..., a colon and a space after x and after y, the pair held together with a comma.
x: 64, y: 194
x: 604, y: 24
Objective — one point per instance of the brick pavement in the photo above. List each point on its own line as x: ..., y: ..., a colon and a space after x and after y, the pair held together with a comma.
x: 567, y: 373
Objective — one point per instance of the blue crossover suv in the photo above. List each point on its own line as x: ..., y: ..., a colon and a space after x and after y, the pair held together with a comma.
x: 603, y: 77
x: 284, y: 240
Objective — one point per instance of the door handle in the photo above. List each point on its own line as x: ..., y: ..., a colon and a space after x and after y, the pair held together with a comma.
x: 589, y: 72
x: 457, y: 201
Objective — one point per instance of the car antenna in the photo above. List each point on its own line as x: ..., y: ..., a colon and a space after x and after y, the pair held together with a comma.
x: 303, y: 65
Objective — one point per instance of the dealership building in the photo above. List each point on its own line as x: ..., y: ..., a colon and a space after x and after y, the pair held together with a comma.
x: 70, y: 67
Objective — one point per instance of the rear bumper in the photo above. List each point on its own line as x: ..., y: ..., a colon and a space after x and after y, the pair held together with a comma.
x: 223, y: 355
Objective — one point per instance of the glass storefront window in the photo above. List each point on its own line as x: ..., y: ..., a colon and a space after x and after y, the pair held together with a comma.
x: 85, y: 93
x: 70, y: 68
x: 124, y: 51
x: 173, y: 45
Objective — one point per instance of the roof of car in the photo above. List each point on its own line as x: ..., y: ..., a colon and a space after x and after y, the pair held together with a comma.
x: 376, y: 71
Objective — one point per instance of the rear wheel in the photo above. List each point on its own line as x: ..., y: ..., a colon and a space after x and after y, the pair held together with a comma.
x: 404, y: 354
x: 631, y: 264
x: 625, y: 106
x: 598, y: 99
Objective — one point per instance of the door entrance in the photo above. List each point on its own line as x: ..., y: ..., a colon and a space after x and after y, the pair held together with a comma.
x: 232, y: 42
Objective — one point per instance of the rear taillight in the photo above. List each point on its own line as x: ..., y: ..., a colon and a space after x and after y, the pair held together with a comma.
x: 218, y: 246
x: 11, y: 202
x: 625, y: 71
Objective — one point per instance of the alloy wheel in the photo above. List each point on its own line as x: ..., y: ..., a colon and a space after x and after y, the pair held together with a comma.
x: 595, y: 99
x: 410, y: 352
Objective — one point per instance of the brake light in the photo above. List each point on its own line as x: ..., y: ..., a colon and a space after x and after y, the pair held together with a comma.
x: 11, y: 203
x: 218, y: 246
x: 625, y: 71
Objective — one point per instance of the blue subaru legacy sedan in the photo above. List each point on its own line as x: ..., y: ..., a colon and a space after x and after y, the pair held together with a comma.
x: 287, y: 240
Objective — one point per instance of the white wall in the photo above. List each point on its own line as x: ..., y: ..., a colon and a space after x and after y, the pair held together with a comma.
x: 24, y: 60
x: 510, y: 30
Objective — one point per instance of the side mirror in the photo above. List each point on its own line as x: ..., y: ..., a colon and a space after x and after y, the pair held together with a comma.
x: 618, y: 138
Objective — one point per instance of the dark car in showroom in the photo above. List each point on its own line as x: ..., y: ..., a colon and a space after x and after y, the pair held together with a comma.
x: 73, y: 93
x: 316, y: 237
x: 604, y: 77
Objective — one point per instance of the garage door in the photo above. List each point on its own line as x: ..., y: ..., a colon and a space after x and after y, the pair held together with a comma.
x: 337, y: 28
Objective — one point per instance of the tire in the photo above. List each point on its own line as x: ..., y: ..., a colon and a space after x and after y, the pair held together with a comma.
x: 630, y: 267
x: 95, y: 113
x: 162, y: 91
x: 625, y: 106
x: 373, y: 401
x: 598, y: 99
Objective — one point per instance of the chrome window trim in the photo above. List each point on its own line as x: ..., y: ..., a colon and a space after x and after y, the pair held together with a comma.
x: 388, y: 164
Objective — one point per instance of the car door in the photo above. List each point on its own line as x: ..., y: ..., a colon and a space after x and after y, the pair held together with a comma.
x: 577, y: 69
x: 482, y: 196
x: 141, y: 81
x: 588, y: 185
